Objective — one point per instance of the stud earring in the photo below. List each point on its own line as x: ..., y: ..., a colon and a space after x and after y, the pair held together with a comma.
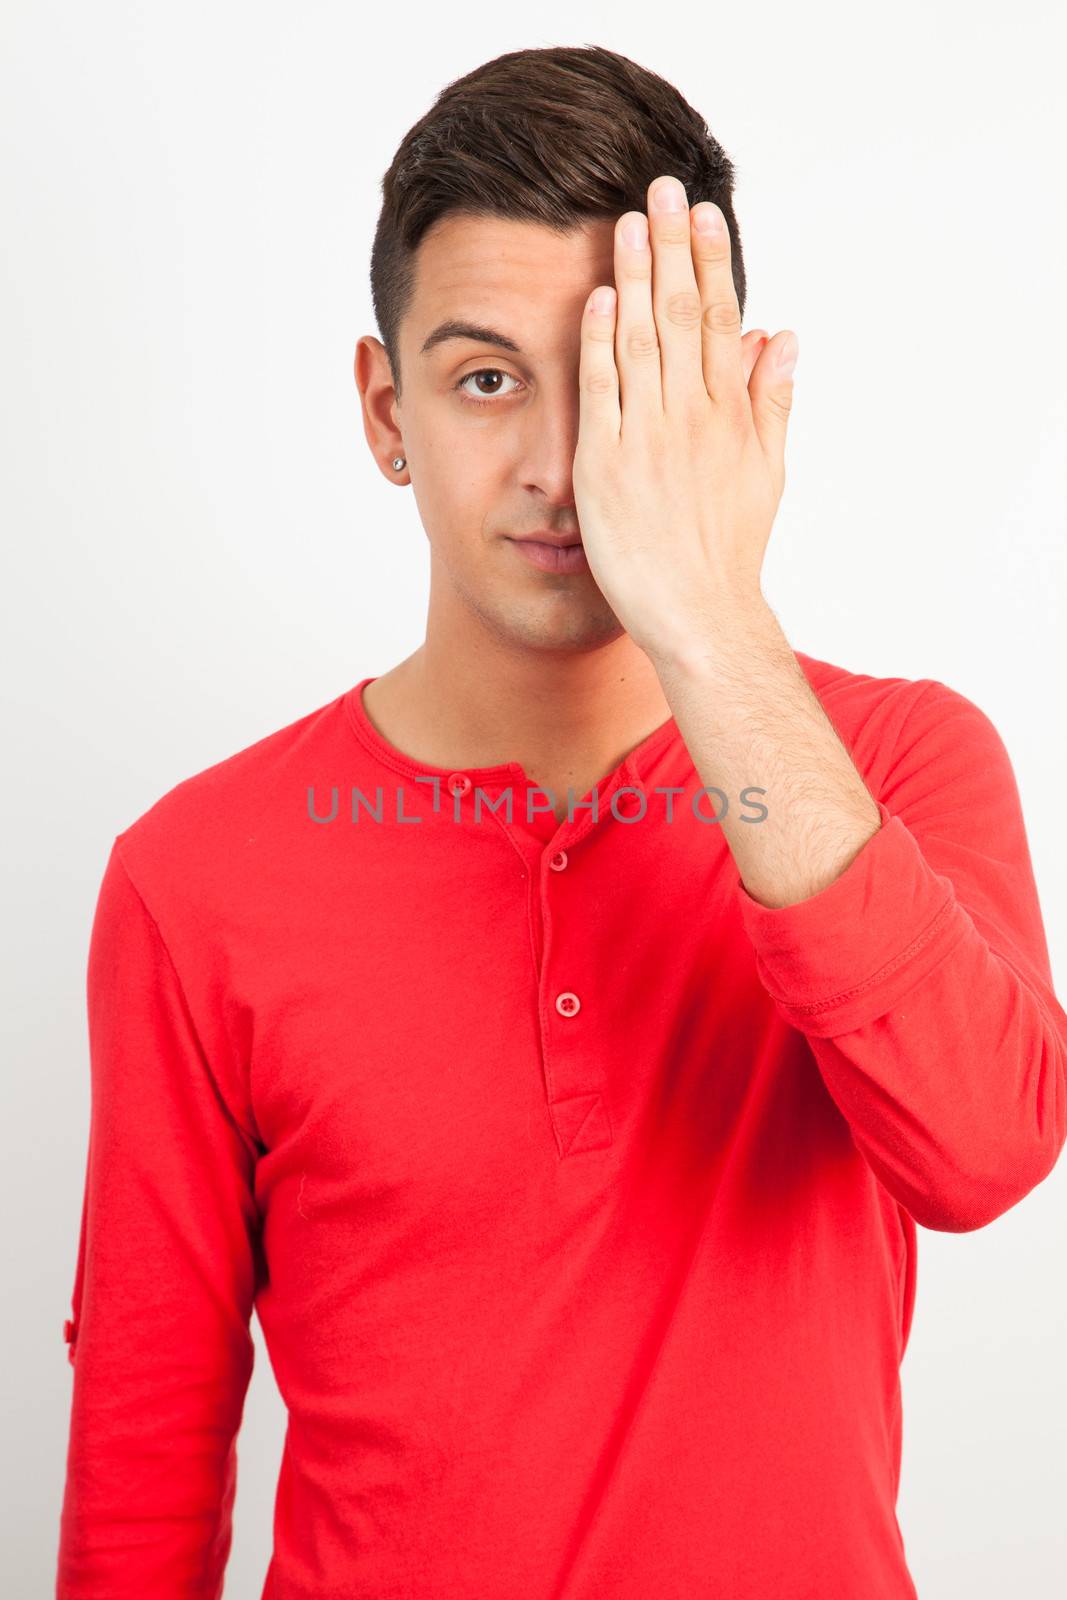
x: 399, y: 463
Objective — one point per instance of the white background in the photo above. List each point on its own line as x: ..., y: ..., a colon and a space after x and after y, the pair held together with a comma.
x: 199, y: 548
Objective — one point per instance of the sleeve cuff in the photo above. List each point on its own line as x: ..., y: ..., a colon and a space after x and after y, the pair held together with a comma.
x: 849, y: 953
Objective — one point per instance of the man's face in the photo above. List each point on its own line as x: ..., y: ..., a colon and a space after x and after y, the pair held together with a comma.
x: 490, y: 432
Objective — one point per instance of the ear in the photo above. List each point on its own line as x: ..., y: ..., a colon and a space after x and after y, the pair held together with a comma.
x: 374, y: 380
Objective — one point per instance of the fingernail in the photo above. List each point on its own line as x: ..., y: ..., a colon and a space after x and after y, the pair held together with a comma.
x: 787, y: 355
x: 707, y: 217
x: 635, y: 231
x: 668, y: 195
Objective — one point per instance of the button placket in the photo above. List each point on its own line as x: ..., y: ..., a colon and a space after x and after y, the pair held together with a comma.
x: 574, y: 1070
x: 567, y: 1002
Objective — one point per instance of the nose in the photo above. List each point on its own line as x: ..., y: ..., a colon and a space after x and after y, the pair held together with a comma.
x: 549, y: 440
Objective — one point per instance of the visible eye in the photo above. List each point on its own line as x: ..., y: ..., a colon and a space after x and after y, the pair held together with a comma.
x: 483, y: 372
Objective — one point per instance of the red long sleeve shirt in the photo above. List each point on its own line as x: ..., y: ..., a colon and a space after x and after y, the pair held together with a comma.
x: 575, y: 1190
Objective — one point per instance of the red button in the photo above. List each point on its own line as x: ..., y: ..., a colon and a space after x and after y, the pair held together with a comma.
x: 458, y: 782
x: 68, y: 1330
x: 558, y: 861
x: 568, y: 1004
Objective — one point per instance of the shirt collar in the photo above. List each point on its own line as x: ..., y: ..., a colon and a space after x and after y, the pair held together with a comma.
x: 632, y: 769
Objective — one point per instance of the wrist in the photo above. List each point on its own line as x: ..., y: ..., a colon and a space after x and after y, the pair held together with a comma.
x: 721, y: 636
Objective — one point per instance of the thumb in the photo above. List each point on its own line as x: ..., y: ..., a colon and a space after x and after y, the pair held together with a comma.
x: 771, y: 392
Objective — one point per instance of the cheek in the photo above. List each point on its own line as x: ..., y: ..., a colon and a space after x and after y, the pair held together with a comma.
x: 465, y: 478
x: 459, y: 439
x: 469, y: 459
x: 460, y: 491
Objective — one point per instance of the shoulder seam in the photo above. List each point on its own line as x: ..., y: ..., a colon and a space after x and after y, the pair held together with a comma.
x: 204, y: 1055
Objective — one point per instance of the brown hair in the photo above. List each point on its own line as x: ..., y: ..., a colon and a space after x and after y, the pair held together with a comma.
x: 557, y: 136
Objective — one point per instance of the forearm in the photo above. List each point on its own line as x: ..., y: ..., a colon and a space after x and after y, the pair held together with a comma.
x: 750, y: 720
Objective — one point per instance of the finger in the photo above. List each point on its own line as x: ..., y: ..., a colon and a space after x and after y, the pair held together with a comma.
x: 676, y: 300
x: 636, y: 338
x: 598, y: 379
x: 720, y: 325
x: 751, y: 345
x: 771, y: 393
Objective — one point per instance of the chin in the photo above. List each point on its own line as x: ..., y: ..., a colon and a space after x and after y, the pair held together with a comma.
x: 575, y: 627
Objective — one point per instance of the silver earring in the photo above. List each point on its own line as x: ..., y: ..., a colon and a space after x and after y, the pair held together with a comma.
x: 399, y: 463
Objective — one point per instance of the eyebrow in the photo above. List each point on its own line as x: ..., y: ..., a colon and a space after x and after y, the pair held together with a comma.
x: 467, y: 330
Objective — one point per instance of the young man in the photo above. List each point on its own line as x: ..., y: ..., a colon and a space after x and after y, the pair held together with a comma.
x: 557, y: 1038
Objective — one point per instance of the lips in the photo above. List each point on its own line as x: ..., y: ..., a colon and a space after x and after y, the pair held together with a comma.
x: 553, y: 557
x: 560, y: 541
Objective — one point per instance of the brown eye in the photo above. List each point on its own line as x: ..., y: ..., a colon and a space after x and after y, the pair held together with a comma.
x: 485, y: 396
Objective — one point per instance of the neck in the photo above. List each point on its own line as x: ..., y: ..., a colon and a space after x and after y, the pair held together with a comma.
x: 472, y: 701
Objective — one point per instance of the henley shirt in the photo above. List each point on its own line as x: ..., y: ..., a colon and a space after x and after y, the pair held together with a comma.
x: 575, y: 1190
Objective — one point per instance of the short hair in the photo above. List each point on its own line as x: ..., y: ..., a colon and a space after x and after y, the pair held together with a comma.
x: 557, y: 136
